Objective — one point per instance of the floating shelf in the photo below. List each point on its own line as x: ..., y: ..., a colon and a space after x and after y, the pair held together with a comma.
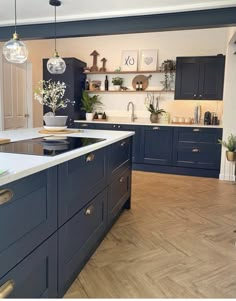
x: 130, y: 91
x: 123, y: 72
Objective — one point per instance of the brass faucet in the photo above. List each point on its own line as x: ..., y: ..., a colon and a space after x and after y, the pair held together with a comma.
x: 132, y: 114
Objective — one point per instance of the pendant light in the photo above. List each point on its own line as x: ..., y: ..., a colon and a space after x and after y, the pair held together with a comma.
x: 15, y: 50
x: 56, y: 65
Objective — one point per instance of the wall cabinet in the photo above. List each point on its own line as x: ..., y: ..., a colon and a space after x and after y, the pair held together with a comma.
x: 200, y: 78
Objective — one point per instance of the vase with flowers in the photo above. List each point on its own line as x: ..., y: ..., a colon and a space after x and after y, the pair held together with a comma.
x: 152, y: 106
x: 51, y: 94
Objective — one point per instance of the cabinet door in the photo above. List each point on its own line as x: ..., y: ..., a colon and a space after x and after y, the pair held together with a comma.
x: 157, y: 145
x: 211, y: 78
x: 187, y: 78
x: 78, y: 238
x: 35, y: 276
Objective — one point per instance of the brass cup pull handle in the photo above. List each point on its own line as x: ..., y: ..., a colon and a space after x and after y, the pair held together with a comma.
x: 5, y: 196
x: 89, y: 210
x: 196, y: 130
x: 123, y: 143
x: 195, y: 150
x: 90, y: 157
x: 122, y: 180
x: 84, y: 125
x: 156, y: 128
x: 6, y: 289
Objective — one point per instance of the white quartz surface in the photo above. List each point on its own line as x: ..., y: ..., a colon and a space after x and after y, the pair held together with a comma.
x: 20, y: 165
x: 145, y: 121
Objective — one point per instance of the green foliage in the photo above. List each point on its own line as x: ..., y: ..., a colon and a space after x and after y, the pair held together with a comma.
x: 152, y: 105
x: 230, y: 143
x: 117, y: 81
x: 90, y: 103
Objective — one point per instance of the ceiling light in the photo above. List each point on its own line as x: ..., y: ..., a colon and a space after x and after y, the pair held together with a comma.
x: 56, y: 65
x: 15, y: 50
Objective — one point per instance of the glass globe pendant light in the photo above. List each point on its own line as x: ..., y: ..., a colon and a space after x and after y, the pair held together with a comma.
x: 56, y: 65
x: 15, y: 50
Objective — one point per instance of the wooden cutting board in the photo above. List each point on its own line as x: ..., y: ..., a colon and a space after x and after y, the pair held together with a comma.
x: 4, y: 140
x: 141, y: 78
x: 59, y: 132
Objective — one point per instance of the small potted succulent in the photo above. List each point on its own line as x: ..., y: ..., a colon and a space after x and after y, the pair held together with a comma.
x: 230, y: 144
x: 117, y: 82
x: 89, y: 104
x: 152, y: 106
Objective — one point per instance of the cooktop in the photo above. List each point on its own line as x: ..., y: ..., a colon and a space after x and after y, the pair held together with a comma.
x: 47, y: 146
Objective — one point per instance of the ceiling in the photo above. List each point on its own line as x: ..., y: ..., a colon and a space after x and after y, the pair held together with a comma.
x: 32, y: 11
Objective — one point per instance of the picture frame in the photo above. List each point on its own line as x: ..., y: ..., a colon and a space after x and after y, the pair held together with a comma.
x: 148, y: 60
x: 129, y: 60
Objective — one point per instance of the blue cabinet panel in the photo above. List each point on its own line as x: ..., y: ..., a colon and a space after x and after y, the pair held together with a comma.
x: 36, y: 275
x: 157, y: 145
x: 28, y: 218
x: 79, y: 180
x: 78, y: 239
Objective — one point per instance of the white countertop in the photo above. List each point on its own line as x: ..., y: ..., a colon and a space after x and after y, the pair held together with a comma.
x: 20, y: 165
x: 145, y: 121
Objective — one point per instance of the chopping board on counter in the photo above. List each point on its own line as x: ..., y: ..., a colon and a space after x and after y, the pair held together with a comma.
x: 4, y: 140
x: 59, y: 132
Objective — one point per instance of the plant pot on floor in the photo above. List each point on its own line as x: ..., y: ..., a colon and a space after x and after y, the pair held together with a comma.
x: 89, y: 116
x: 231, y: 156
x: 55, y: 120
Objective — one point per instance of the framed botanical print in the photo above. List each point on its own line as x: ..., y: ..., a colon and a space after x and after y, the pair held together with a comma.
x: 148, y: 60
x: 129, y: 60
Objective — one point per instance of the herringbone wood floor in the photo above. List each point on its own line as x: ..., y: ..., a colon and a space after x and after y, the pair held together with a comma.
x: 178, y: 241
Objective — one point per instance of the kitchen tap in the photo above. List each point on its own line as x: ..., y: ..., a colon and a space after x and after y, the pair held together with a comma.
x: 132, y: 114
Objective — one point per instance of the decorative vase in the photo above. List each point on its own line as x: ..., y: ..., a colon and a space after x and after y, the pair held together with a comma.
x: 154, y: 117
x: 89, y: 116
x: 116, y: 87
x: 231, y: 156
x: 51, y: 120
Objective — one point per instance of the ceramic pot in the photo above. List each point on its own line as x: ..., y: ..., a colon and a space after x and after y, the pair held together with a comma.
x: 231, y: 156
x: 116, y: 87
x: 55, y: 120
x: 89, y: 116
x: 154, y: 117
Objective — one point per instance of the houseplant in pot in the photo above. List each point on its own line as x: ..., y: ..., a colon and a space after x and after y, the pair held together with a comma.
x: 51, y: 94
x: 152, y: 106
x: 230, y: 144
x: 117, y: 82
x: 89, y: 104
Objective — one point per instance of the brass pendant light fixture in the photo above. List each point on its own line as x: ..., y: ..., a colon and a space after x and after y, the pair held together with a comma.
x: 56, y: 65
x: 15, y: 50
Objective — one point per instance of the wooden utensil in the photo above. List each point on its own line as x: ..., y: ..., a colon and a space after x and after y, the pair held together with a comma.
x: 141, y: 78
x: 4, y: 140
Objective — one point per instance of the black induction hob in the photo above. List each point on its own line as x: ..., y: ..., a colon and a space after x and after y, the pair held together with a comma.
x: 47, y: 146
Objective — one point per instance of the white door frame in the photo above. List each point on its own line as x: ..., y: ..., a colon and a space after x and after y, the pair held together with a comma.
x: 29, y: 104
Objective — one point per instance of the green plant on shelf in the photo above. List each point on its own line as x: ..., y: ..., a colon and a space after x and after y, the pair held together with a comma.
x: 117, y: 81
x: 90, y: 103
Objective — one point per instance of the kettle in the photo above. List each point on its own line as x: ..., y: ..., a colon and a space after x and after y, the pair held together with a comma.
x: 207, y: 118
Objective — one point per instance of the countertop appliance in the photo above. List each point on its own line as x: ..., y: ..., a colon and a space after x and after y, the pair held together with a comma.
x: 214, y: 120
x: 48, y: 145
x: 207, y: 118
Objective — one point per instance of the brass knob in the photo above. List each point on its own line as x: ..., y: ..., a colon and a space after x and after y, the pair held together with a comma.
x: 89, y: 210
x: 6, y: 289
x: 122, y: 179
x: 123, y: 143
x: 5, y: 196
x: 90, y: 157
x: 114, y: 125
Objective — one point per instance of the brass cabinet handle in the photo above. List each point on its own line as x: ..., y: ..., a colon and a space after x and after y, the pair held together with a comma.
x: 6, y: 289
x: 196, y: 130
x: 89, y: 210
x: 195, y: 150
x: 122, y: 179
x: 156, y: 128
x: 5, y: 196
x: 123, y: 143
x: 90, y: 157
x: 84, y: 124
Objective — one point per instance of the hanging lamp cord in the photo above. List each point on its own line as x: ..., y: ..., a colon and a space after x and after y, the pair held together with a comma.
x: 15, y: 16
x: 55, y: 28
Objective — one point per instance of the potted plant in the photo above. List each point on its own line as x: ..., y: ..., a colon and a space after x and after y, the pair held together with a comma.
x: 168, y: 67
x: 89, y: 104
x: 230, y: 144
x: 117, y: 82
x: 51, y: 94
x: 152, y: 106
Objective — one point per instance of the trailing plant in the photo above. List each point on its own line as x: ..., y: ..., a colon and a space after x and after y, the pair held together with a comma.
x: 230, y: 143
x: 90, y: 103
x: 117, y: 81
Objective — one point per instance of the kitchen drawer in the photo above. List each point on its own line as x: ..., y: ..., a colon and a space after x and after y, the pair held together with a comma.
x: 119, y: 157
x: 79, y: 180
x: 78, y: 239
x: 28, y: 218
x: 118, y: 194
x: 195, y: 134
x: 35, y: 276
x: 199, y: 155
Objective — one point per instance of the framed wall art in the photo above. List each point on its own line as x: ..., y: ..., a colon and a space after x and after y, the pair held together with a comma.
x: 148, y: 60
x: 129, y: 60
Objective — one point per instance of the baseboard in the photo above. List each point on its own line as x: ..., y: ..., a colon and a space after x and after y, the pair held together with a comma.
x: 227, y: 177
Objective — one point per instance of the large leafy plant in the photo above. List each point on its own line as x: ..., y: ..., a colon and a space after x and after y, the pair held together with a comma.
x: 230, y: 143
x: 90, y: 103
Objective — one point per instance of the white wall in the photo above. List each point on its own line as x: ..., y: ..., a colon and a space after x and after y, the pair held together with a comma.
x: 169, y: 45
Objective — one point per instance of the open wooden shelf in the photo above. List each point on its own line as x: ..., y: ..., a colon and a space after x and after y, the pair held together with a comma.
x: 124, y: 72
x: 130, y: 91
